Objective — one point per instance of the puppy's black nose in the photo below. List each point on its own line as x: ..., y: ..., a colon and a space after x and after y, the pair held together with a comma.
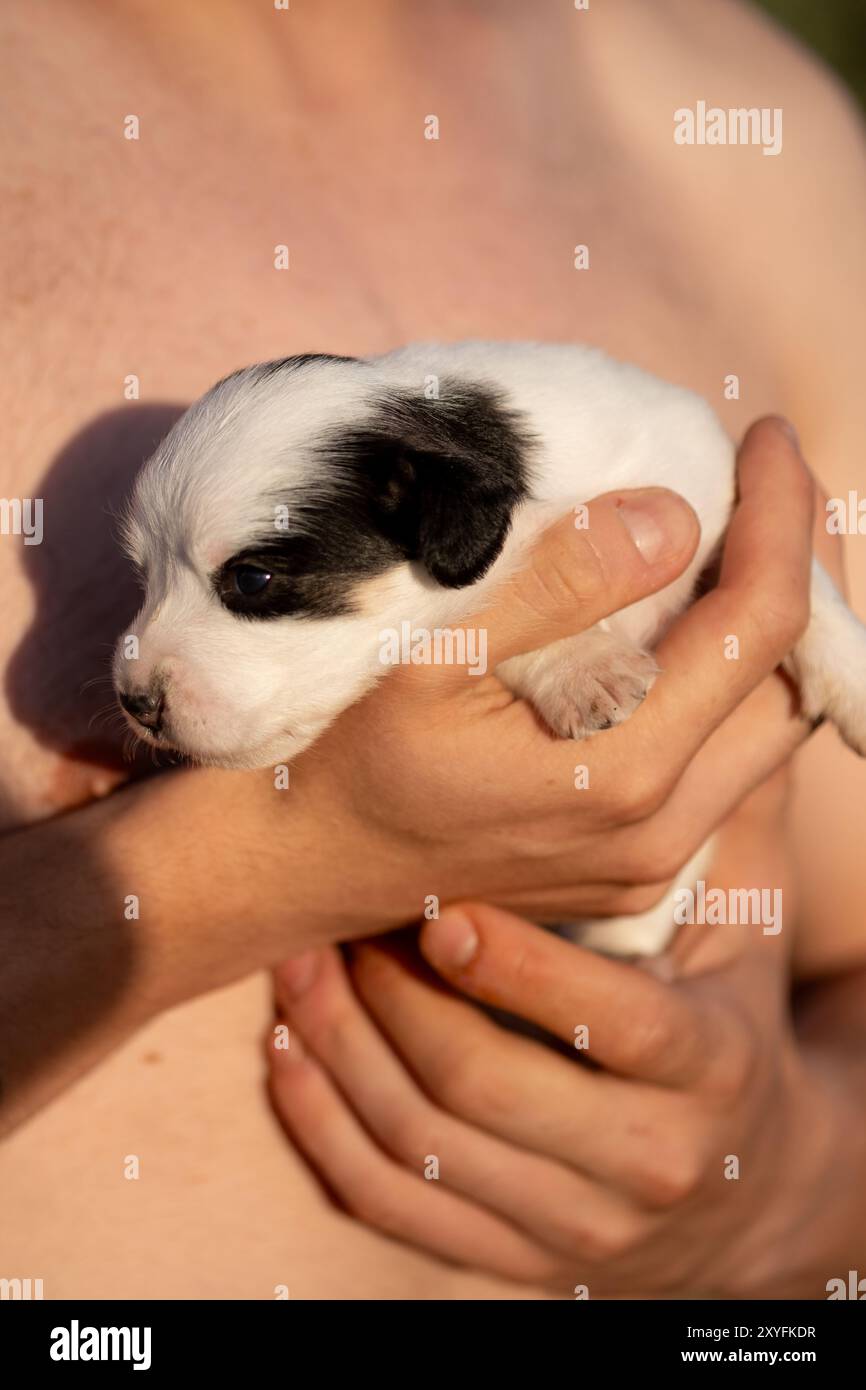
x: 146, y: 708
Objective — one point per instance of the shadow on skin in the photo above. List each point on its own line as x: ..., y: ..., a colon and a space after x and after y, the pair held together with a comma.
x: 84, y: 587
x: 85, y: 594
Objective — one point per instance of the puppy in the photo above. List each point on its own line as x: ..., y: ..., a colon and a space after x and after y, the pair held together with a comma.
x: 301, y: 507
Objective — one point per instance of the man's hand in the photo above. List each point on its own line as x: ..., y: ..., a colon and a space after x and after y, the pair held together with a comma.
x: 705, y: 1152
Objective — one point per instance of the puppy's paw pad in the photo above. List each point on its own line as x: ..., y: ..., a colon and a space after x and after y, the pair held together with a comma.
x: 576, y: 703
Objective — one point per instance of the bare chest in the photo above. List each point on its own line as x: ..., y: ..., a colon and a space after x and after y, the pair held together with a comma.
x: 179, y: 258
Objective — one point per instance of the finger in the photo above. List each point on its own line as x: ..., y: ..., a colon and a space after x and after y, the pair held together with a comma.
x: 619, y: 548
x: 646, y: 856
x: 735, y: 636
x: 757, y: 739
x: 634, y: 1139
x: 560, y: 1208
x: 752, y: 744
x: 379, y: 1191
x: 648, y: 852
x: 636, y: 1026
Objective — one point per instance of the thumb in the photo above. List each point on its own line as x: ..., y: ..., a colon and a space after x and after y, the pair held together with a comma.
x: 619, y: 548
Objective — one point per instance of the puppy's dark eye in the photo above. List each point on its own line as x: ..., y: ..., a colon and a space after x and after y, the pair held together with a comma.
x: 243, y: 588
x: 263, y: 583
x: 248, y: 580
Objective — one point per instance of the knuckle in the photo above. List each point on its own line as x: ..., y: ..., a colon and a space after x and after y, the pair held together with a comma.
x: 655, y: 859
x: 474, y: 1092
x: 458, y: 1082
x: 567, y: 574
x: 374, y: 1211
x: 589, y: 574
x: 604, y: 1243
x: 671, y: 1179
x: 642, y: 794
x: 331, y: 1027
x: 593, y: 578
x: 401, y: 1134
x: 370, y: 1204
x: 546, y: 588
x: 650, y: 1040
x: 550, y: 1271
x: 782, y: 617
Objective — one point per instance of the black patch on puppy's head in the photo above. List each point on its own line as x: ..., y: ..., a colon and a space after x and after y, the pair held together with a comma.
x: 430, y: 481
x: 440, y: 478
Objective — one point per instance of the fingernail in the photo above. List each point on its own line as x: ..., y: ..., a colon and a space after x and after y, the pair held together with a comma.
x: 296, y: 975
x: 451, y: 941
x: 658, y: 524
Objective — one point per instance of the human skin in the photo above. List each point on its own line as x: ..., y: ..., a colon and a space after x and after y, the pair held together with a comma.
x: 669, y: 293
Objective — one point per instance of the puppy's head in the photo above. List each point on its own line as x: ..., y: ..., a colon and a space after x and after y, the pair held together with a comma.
x: 284, y: 518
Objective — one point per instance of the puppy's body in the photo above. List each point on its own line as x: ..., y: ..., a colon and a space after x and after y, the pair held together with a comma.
x: 301, y: 507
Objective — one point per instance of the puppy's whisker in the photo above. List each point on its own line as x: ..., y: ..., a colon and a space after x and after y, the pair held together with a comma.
x: 130, y: 747
x: 105, y: 679
x: 105, y: 714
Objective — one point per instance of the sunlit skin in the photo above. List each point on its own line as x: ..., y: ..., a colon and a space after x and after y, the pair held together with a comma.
x: 162, y: 265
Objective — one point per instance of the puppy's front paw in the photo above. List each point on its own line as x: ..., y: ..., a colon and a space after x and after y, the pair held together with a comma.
x: 832, y: 684
x: 584, y: 684
x: 576, y: 703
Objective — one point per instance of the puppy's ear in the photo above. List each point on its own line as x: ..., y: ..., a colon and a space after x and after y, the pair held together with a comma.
x: 442, y: 477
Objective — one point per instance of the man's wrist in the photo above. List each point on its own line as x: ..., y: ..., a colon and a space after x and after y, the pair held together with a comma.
x: 232, y: 873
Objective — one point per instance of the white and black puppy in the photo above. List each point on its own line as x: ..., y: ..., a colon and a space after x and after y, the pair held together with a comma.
x: 301, y: 507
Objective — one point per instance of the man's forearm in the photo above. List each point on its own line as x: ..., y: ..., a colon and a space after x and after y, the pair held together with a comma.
x: 168, y: 889
x: 93, y: 911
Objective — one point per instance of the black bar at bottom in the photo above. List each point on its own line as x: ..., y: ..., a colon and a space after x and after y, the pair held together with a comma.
x: 156, y: 1339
